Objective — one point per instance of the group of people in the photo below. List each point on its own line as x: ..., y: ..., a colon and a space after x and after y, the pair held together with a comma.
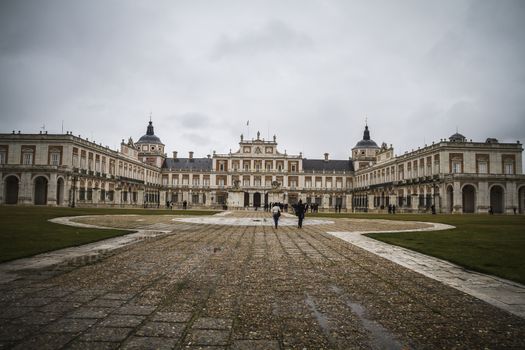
x: 314, y: 207
x: 269, y: 206
x: 391, y: 209
x: 169, y: 205
x: 299, y: 209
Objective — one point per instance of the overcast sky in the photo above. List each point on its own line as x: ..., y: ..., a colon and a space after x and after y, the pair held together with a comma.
x: 307, y: 71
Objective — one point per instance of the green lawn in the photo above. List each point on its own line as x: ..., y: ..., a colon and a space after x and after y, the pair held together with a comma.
x: 490, y: 244
x: 26, y: 231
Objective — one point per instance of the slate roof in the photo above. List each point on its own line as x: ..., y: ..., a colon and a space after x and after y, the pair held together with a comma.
x: 149, y: 139
x: 150, y: 136
x: 457, y: 137
x: 328, y: 165
x: 366, y: 142
x: 197, y: 164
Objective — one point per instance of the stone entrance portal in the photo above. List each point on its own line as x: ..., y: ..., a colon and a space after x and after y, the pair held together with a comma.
x: 40, y: 190
x: 11, y: 190
x: 257, y: 199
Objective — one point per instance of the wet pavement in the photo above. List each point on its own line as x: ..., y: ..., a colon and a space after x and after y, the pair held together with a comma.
x: 504, y: 294
x: 212, y: 286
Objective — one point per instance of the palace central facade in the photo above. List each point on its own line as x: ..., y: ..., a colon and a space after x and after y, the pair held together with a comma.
x: 453, y: 176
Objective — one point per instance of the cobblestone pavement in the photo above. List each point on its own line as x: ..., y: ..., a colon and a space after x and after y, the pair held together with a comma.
x: 209, y: 286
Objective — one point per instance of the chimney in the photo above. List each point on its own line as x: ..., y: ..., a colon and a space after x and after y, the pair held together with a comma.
x: 174, y: 154
x: 191, y: 154
x: 326, y: 157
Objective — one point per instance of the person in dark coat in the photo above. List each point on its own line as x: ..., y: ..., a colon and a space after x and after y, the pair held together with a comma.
x: 299, y: 211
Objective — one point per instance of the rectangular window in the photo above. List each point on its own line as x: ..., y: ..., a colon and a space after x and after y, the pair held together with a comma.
x: 195, y: 199
x: 27, y: 158
x: 456, y: 167
x: 482, y: 168
x: 55, y: 158
x: 3, y: 157
x: 509, y: 168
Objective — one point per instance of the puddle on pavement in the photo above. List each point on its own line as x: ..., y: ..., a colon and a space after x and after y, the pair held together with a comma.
x: 320, y: 317
x: 380, y: 337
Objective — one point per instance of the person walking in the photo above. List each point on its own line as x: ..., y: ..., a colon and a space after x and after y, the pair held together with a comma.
x: 299, y: 211
x: 276, y: 213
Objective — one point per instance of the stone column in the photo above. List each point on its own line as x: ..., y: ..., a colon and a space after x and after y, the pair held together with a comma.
x: 511, y: 198
x: 95, y: 196
x: 213, y: 194
x: 458, y: 198
x: 25, y: 189
x: 51, y: 198
x: 414, y: 202
x: 117, y: 196
x: 370, y: 202
x: 162, y: 199
x: 347, y: 202
x: 483, y: 198
x: 140, y: 195
x: 436, y: 198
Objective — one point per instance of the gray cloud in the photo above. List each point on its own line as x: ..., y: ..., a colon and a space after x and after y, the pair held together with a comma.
x: 307, y: 71
x: 194, y: 121
x: 274, y: 36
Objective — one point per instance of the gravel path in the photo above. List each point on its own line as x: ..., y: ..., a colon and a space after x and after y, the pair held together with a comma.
x: 209, y: 286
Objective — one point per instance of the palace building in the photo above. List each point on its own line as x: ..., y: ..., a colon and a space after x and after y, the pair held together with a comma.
x: 453, y: 176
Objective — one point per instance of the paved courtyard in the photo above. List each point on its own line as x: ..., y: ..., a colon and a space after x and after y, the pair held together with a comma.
x: 205, y: 285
